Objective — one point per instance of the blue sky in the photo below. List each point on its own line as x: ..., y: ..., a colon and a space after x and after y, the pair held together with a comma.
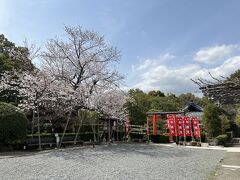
x: 164, y: 43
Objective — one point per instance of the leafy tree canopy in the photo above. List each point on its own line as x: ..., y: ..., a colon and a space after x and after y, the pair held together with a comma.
x: 156, y: 93
x: 13, y: 57
x: 156, y: 100
x: 187, y: 98
x: 215, y: 120
x: 238, y: 120
x: 235, y: 75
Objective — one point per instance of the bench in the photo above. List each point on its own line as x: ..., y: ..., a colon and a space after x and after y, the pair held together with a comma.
x: 43, y: 145
x: 45, y: 142
x: 50, y: 142
x: 65, y: 143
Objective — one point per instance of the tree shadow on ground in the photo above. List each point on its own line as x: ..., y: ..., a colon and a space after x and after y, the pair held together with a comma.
x: 125, y: 149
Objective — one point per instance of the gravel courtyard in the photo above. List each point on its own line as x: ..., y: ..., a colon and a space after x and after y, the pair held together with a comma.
x: 125, y: 161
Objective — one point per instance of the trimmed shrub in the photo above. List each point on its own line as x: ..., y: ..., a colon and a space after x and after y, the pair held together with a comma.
x: 136, y: 136
x: 212, y: 141
x: 222, y: 139
x: 203, y: 136
x: 159, y: 138
x: 86, y: 136
x: 193, y: 143
x: 164, y: 139
x: 180, y: 142
x: 13, y: 125
x: 199, y: 144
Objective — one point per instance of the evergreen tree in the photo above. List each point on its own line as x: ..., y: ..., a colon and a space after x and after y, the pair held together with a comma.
x: 13, y: 57
x: 214, y: 120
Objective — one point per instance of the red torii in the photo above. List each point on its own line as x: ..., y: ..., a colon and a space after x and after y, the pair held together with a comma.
x: 178, y: 126
x: 154, y: 119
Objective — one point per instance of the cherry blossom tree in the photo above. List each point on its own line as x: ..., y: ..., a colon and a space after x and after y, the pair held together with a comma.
x: 83, y: 60
x: 111, y: 103
x: 38, y: 89
x: 77, y: 73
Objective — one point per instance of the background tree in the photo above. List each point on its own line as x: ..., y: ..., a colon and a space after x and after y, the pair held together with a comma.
x: 214, y: 120
x: 163, y: 104
x: 141, y: 102
x: 9, y: 87
x: 187, y: 98
x: 13, y: 125
x: 224, y: 91
x: 13, y: 57
x: 235, y: 75
x: 238, y: 120
x: 225, y: 123
x: 137, y: 106
x: 156, y: 93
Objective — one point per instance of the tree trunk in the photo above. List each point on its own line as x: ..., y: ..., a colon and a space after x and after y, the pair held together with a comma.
x: 51, y: 125
x: 79, y: 127
x: 109, y: 133
x: 94, y: 131
x: 68, y: 119
x: 33, y: 120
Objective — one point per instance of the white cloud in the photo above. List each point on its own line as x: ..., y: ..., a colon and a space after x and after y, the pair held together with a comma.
x: 211, y: 55
x: 148, y: 63
x: 153, y: 75
x: 225, y: 69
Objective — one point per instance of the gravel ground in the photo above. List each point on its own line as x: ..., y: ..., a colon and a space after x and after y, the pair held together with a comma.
x: 125, y: 161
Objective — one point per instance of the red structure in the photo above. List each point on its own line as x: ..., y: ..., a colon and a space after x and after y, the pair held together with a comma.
x: 196, y: 129
x: 177, y: 124
x: 154, y: 124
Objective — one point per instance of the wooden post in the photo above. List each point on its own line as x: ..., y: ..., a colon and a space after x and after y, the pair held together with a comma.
x: 154, y: 125
x: 109, y: 129
x: 39, y: 137
x: 117, y: 131
x: 147, y: 129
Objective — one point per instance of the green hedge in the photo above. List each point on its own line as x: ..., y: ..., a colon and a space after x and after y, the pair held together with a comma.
x: 120, y: 135
x: 13, y: 125
x: 87, y: 136
x: 159, y: 138
x: 136, y: 136
x: 81, y: 136
x: 203, y: 137
x: 222, y: 139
